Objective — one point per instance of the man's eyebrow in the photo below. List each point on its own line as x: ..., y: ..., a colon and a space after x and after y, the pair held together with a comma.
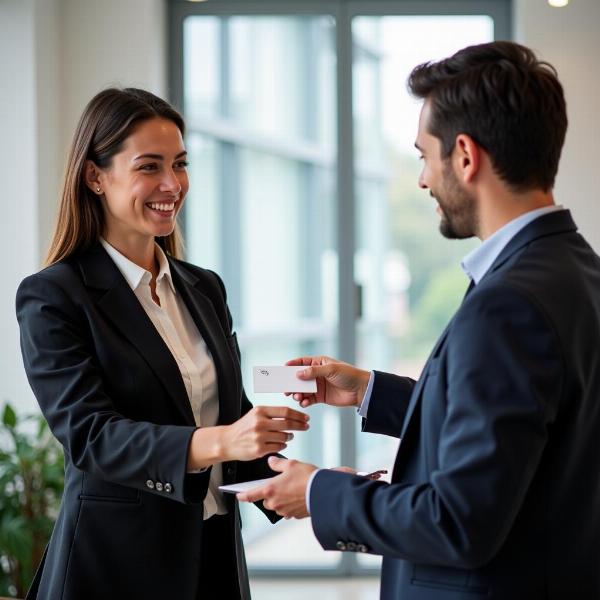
x: 159, y: 156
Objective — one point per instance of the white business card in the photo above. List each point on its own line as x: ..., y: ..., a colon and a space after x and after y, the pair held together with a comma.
x: 281, y: 379
x: 236, y: 488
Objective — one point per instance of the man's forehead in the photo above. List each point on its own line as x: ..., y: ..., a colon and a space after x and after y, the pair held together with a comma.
x: 423, y: 129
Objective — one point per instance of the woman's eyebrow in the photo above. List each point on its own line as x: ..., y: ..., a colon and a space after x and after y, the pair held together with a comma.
x: 158, y: 156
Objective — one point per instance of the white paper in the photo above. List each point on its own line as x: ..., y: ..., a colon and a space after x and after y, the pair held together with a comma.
x: 236, y: 488
x: 281, y: 379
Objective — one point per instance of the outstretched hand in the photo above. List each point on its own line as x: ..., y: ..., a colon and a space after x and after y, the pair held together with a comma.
x: 285, y: 493
x: 338, y: 383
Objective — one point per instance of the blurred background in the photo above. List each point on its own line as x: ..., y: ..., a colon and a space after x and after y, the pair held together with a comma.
x: 303, y: 186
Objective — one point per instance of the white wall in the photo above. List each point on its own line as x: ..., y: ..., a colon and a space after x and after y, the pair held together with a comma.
x: 54, y: 56
x: 18, y: 174
x: 113, y: 42
x: 569, y: 39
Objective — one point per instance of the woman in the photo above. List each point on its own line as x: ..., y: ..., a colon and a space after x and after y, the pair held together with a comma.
x: 131, y: 356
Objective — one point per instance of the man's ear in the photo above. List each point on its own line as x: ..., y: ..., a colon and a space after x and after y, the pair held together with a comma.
x: 467, y: 157
x: 92, y: 177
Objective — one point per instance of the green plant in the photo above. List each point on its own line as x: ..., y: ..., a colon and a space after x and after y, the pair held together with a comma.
x: 31, y: 485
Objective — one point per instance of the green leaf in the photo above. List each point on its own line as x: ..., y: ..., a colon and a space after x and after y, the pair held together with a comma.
x: 9, y: 418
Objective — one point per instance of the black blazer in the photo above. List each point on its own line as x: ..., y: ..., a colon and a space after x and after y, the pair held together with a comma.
x: 495, y: 491
x: 114, y: 397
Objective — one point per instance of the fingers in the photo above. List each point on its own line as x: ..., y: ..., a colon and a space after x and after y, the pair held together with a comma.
x: 253, y: 495
x: 303, y: 361
x: 277, y: 464
x: 305, y: 400
x: 313, y: 372
x: 277, y: 437
x: 307, y: 361
x: 283, y: 412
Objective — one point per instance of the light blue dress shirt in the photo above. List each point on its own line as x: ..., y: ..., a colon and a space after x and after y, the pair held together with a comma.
x: 475, y: 264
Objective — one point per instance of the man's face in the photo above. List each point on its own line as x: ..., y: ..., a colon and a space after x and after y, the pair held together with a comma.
x: 456, y: 206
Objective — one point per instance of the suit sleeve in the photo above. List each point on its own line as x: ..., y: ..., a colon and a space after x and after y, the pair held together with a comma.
x: 62, y: 370
x: 503, y: 383
x: 388, y: 404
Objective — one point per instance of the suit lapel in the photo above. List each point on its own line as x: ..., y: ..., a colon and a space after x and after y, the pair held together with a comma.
x: 206, y: 319
x: 416, y: 393
x: 550, y: 224
x: 119, y: 304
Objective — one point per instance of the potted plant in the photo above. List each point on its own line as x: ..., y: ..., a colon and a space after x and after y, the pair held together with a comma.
x: 31, y: 485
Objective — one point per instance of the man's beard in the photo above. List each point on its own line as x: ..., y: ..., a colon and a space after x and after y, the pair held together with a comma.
x: 459, y: 213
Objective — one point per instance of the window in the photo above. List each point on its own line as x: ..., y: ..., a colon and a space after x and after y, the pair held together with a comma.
x: 303, y: 197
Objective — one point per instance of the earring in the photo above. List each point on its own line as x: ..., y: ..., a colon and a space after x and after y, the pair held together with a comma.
x: 98, y: 189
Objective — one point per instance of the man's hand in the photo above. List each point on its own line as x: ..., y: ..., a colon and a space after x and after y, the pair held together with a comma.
x: 338, y: 383
x: 285, y: 493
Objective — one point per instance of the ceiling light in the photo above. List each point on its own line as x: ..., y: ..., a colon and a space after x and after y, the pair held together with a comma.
x: 558, y: 3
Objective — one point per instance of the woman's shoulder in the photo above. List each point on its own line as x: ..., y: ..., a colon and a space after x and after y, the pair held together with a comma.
x: 60, y: 276
x: 206, y: 280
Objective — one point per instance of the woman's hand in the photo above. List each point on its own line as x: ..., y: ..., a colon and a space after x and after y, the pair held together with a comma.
x: 338, y: 383
x: 262, y: 430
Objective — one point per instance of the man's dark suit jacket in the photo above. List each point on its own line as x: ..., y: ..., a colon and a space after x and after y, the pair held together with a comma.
x: 114, y: 397
x: 496, y: 486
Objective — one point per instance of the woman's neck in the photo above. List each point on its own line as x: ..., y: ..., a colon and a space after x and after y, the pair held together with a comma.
x: 138, y: 250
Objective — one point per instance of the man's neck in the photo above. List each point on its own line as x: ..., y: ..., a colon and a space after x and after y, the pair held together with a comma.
x: 501, y: 206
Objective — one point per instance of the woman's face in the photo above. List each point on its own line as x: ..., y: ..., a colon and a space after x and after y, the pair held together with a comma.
x: 143, y: 190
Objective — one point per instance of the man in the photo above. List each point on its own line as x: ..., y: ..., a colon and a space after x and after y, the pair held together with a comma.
x: 495, y: 490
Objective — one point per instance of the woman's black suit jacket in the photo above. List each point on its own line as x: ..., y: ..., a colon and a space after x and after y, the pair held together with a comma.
x: 130, y: 524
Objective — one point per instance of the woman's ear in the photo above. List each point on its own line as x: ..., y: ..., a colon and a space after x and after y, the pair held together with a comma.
x: 92, y: 177
x: 467, y: 157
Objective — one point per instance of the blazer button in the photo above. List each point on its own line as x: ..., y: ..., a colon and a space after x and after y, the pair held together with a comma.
x: 340, y: 546
x: 159, y: 486
x: 230, y: 471
x: 351, y: 547
x: 168, y: 488
x: 362, y: 548
x: 150, y: 484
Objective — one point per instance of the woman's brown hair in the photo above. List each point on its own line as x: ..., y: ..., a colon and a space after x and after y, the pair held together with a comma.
x: 107, y: 121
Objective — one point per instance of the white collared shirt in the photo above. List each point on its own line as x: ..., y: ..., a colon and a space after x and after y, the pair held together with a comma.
x: 179, y: 332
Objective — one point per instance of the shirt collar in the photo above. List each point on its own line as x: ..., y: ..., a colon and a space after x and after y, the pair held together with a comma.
x: 134, y: 274
x: 478, y: 262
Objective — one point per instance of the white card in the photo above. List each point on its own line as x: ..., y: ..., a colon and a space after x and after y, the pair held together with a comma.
x: 236, y: 488
x: 281, y: 379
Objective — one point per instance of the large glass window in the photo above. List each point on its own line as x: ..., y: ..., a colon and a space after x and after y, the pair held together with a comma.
x: 261, y: 211
x: 310, y: 211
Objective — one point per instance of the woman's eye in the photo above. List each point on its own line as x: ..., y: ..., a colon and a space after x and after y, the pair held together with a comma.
x: 182, y: 164
x: 148, y: 167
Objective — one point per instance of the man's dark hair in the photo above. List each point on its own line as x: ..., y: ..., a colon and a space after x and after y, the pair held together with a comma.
x: 508, y: 101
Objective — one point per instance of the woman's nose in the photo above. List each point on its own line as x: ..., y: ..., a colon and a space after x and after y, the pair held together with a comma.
x: 171, y: 183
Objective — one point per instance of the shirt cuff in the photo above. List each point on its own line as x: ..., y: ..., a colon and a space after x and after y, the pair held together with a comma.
x: 364, y: 405
x: 307, y: 493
